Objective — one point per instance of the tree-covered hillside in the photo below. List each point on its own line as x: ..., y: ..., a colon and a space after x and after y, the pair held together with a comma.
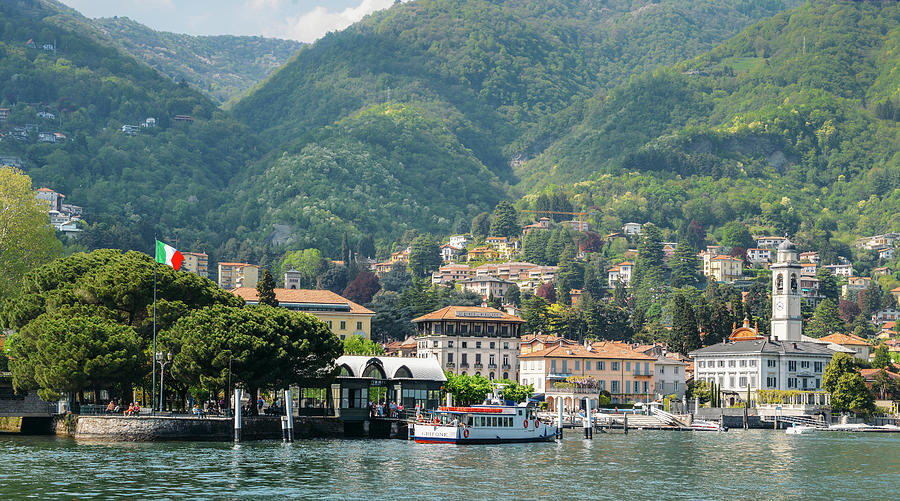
x: 494, y: 81
x: 223, y: 66
x: 790, y: 125
x: 133, y: 182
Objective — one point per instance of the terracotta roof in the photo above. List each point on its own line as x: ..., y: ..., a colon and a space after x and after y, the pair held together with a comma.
x: 303, y: 296
x: 469, y: 313
x: 545, y: 338
x: 871, y: 373
x: 45, y: 189
x: 605, y: 350
x: 888, y: 325
x: 838, y: 338
x: 236, y: 264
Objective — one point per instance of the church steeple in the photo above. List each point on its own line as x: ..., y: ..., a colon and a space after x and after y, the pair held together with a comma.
x: 787, y: 322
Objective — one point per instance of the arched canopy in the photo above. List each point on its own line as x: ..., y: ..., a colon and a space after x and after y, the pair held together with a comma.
x: 403, y: 372
x: 345, y: 370
x: 374, y: 370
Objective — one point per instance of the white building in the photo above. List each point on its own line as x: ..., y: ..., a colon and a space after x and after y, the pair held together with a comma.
x: 783, y: 361
x: 461, y: 241
x: 840, y: 270
x: 471, y: 340
x: 632, y: 228
x: 620, y: 273
x: 759, y: 255
x: 669, y: 377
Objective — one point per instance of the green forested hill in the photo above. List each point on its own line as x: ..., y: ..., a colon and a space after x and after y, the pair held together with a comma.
x: 494, y: 80
x: 163, y: 180
x: 221, y: 66
x: 790, y: 126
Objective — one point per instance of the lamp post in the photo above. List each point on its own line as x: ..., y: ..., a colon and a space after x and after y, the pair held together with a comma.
x: 163, y: 359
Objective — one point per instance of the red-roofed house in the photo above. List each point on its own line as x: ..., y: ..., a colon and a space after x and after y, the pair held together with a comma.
x: 861, y: 348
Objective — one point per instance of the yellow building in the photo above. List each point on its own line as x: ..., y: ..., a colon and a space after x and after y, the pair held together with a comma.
x: 725, y: 268
x: 233, y: 275
x: 344, y: 317
x: 196, y: 263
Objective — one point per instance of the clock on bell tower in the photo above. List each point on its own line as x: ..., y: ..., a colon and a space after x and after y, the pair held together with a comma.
x: 787, y: 322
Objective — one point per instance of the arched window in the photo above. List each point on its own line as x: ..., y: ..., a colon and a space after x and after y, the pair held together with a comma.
x: 492, y: 376
x: 505, y: 375
x: 403, y: 372
x: 374, y: 371
x: 794, y: 283
x: 345, y: 371
x: 779, y: 283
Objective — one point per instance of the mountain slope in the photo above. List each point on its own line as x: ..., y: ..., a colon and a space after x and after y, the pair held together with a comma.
x: 223, y: 67
x: 165, y: 180
x: 789, y: 126
x: 501, y: 77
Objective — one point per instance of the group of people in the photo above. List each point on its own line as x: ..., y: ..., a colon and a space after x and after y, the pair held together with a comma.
x: 113, y: 408
x: 383, y: 409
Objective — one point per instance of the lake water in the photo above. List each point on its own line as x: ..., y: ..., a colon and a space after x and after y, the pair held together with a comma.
x: 739, y: 464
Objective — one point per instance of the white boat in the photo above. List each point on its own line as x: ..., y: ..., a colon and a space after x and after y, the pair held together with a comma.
x: 800, y: 429
x: 703, y: 425
x: 483, y: 424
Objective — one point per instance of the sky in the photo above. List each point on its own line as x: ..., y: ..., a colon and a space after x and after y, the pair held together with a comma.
x: 302, y: 20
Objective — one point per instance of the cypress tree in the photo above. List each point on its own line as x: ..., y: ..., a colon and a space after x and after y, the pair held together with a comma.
x: 684, y: 266
x: 504, y: 221
x: 265, y: 289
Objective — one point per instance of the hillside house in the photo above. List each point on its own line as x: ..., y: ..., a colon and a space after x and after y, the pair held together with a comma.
x: 877, y: 241
x: 401, y: 256
x: 451, y: 273
x: 668, y: 249
x: 881, y: 271
x: 861, y: 348
x: 482, y: 254
x: 809, y: 257
x: 149, y: 122
x: 461, y: 241
x: 542, y: 224
x: 383, y: 268
x: 576, y: 225
x: 759, y: 255
x: 885, y: 315
x: 808, y: 269
x: 196, y: 263
x: 725, y: 269
x: 632, y: 228
x: 449, y: 253
x: 856, y: 284
x: 232, y: 275
x: 620, y: 273
x: 46, y: 115
x: 4, y: 114
x: 486, y: 286
x: 183, y: 118
x: 769, y: 242
x: 886, y: 253
x: 130, y: 130
x: 840, y: 270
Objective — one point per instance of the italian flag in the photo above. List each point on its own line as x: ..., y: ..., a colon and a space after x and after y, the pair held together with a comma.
x: 166, y: 254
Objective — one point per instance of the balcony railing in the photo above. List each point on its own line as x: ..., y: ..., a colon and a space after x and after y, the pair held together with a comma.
x: 464, y: 365
x: 478, y: 365
x: 451, y: 365
x: 507, y: 366
x: 492, y: 366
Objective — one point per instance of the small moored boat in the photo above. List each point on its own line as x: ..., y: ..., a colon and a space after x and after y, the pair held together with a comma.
x: 799, y: 429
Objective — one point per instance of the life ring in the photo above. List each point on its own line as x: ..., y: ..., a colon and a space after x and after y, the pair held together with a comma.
x: 420, y: 418
x: 526, y: 423
x: 466, y: 433
x: 436, y: 421
x: 537, y: 423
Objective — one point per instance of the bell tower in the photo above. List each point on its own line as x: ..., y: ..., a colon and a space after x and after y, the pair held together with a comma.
x: 787, y: 322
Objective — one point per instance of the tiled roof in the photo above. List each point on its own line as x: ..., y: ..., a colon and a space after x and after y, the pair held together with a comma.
x: 545, y: 338
x: 236, y: 264
x: 598, y: 350
x: 469, y: 313
x: 871, y: 373
x: 838, y: 338
x: 303, y: 296
x: 765, y: 346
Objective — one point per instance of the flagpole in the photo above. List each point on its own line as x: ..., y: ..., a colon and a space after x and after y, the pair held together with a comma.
x: 153, y: 356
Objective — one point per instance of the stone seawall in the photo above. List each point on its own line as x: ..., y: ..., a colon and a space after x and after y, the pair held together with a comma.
x: 161, y: 428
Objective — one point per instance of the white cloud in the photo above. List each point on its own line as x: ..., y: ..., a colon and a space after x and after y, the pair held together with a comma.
x: 319, y: 21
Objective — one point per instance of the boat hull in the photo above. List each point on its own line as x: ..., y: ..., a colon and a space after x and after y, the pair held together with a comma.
x: 430, y: 434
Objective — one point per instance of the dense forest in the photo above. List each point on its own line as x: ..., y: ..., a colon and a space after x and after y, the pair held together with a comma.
x: 423, y: 116
x: 222, y: 67
x: 790, y: 126
x: 166, y: 180
x: 498, y: 80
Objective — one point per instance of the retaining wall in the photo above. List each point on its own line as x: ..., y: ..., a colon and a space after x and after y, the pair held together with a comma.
x: 162, y: 428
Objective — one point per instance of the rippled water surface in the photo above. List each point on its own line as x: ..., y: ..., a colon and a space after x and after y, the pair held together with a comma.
x: 755, y: 464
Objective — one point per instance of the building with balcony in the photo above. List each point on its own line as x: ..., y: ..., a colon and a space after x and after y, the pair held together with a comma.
x: 471, y: 340
x: 232, y: 275
x: 196, y: 263
x: 568, y: 373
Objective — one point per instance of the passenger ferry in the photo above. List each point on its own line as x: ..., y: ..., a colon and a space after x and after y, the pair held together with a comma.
x: 483, y: 424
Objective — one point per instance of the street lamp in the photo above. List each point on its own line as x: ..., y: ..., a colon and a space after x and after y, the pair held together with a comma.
x: 163, y: 359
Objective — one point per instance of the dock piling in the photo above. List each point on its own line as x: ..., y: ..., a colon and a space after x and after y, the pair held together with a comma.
x: 588, y: 424
x: 289, y: 411
x: 559, y: 428
x: 237, y: 415
x: 625, y: 424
